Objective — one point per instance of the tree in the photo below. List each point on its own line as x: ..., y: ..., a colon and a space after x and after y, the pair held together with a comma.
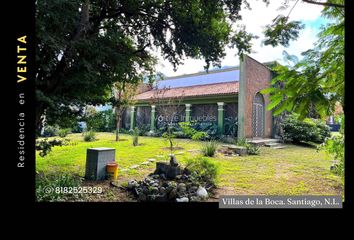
x: 84, y: 46
x: 124, y: 96
x: 317, y: 81
x: 168, y: 109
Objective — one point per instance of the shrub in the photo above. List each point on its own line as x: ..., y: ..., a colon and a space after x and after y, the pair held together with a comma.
x: 50, y: 131
x: 209, y: 148
x: 64, y: 132
x: 334, y: 146
x: 231, y: 126
x: 46, y: 187
x: 144, y: 129
x: 241, y: 142
x: 187, y: 129
x: 135, y: 137
x: 200, y: 136
x: 89, y: 136
x: 252, y: 149
x: 179, y: 134
x: 203, y: 170
x: 307, y: 130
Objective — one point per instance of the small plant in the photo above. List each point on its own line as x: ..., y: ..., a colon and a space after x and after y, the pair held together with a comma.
x: 135, y: 137
x: 187, y: 129
x: 334, y: 146
x: 89, y: 136
x: 203, y: 170
x: 241, y: 142
x: 64, y: 132
x: 252, y: 149
x: 170, y: 138
x: 209, y: 148
x: 199, y: 136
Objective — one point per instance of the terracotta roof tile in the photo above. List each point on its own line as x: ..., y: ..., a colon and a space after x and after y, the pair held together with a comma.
x: 193, y: 91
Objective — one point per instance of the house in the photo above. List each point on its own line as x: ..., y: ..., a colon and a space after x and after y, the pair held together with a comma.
x: 214, y: 97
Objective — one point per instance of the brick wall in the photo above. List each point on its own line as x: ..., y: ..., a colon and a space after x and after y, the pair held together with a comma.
x: 257, y: 77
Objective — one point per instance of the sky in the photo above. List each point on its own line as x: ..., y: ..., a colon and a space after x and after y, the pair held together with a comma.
x: 255, y: 21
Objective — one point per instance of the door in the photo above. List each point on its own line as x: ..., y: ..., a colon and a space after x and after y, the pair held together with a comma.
x: 258, y: 116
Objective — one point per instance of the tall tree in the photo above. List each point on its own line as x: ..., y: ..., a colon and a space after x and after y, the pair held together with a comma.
x: 82, y: 45
x: 316, y: 82
x: 124, y: 96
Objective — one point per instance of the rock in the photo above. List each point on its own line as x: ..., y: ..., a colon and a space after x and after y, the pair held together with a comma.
x: 181, y: 187
x: 173, y: 172
x: 183, y: 199
x: 161, y: 198
x: 172, y: 194
x: 152, y: 160
x: 134, y: 166
x: 132, y: 184
x: 193, y: 189
x: 155, y: 176
x: 173, y: 160
x: 154, y: 190
x: 202, y: 192
x: 162, y: 190
x: 194, y: 199
x: 142, y: 197
x: 155, y: 184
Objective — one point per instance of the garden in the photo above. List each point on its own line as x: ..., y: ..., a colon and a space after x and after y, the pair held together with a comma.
x: 300, y: 168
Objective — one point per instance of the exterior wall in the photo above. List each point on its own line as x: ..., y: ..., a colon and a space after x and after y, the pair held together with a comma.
x: 254, y: 77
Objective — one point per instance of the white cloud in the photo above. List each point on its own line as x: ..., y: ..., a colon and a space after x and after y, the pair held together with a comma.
x: 255, y: 21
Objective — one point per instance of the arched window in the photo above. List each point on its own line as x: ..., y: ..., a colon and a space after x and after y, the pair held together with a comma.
x: 258, y: 112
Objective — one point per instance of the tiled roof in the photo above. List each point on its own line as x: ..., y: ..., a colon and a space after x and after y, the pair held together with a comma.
x: 226, y: 88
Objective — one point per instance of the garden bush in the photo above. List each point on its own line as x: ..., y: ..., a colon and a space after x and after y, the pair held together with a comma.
x: 50, y: 131
x: 209, y: 148
x: 203, y: 170
x: 231, y: 126
x: 308, y: 130
x: 334, y: 146
x: 241, y: 142
x: 200, y: 136
x: 89, y: 136
x: 252, y: 149
x: 187, y: 129
x: 64, y: 132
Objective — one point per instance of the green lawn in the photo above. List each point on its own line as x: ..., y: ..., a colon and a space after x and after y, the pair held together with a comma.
x: 294, y: 170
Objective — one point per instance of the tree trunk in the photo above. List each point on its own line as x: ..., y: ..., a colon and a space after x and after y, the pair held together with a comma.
x: 118, y: 116
x: 39, y: 117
